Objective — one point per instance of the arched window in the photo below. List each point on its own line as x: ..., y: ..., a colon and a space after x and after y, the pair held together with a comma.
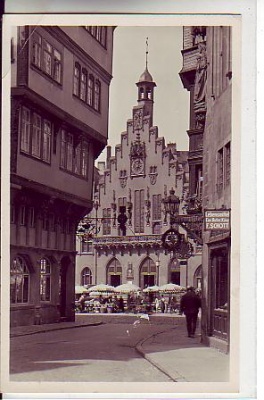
x: 45, y: 280
x: 86, y: 276
x: 91, y: 90
x: 19, y: 281
x: 76, y: 79
x: 83, y: 91
x: 197, y: 279
x: 97, y: 95
x: 148, y: 273
x: 141, y: 93
x: 149, y: 93
x: 114, y: 273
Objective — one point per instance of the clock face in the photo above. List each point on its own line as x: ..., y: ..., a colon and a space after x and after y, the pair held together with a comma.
x: 137, y: 166
x: 171, y: 239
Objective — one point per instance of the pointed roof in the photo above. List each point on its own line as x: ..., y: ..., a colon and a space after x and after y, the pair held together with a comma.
x: 146, y: 76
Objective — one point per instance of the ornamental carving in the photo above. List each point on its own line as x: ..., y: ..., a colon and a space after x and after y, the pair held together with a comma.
x: 123, y: 178
x: 138, y: 149
x: 138, y: 119
x: 200, y: 86
x: 153, y: 174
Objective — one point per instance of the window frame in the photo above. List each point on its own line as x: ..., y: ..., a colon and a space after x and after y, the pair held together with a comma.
x: 74, y: 159
x: 24, y: 284
x: 45, y: 280
x: 27, y: 131
x: 47, y: 58
x: 85, y: 274
x: 99, y: 33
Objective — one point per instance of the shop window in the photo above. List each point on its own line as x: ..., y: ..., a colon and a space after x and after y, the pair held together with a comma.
x: 19, y: 281
x: 45, y: 280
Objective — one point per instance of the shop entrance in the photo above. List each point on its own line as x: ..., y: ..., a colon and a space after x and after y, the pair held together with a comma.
x: 220, y: 293
x: 148, y: 273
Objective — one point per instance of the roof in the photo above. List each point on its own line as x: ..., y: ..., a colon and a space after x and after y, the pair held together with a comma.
x: 146, y: 76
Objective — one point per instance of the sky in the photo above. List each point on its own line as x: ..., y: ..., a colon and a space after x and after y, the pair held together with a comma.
x: 171, y: 100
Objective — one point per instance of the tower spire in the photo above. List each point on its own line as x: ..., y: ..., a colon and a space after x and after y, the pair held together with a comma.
x: 147, y: 53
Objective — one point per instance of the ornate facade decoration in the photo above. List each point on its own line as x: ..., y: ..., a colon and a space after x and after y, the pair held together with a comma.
x: 199, y: 34
x: 153, y: 174
x: 123, y: 178
x: 138, y: 119
x: 200, y: 87
x: 148, y: 207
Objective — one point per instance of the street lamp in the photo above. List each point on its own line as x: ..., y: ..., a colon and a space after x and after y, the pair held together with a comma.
x: 96, y: 206
x: 171, y: 205
x: 157, y: 267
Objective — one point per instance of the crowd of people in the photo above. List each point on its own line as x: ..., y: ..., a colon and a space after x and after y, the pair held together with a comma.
x: 134, y: 303
x: 187, y: 303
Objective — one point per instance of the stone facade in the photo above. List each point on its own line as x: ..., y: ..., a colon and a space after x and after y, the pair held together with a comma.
x: 138, y: 176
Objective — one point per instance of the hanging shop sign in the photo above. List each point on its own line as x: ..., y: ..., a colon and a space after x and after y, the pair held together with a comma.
x: 217, y: 220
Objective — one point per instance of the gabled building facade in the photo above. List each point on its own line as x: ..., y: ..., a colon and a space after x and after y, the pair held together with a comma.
x: 133, y: 183
x: 59, y: 122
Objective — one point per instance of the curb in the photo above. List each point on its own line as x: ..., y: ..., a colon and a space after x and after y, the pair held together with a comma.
x: 55, y: 329
x: 140, y: 350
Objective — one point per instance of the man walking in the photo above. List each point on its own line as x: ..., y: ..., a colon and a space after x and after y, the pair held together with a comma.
x: 190, y: 304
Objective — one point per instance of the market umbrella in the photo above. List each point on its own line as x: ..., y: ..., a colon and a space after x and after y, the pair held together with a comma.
x: 171, y: 288
x: 102, y: 288
x: 151, y: 289
x: 80, y: 289
x: 127, y: 288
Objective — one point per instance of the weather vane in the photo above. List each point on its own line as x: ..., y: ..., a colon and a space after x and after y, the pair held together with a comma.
x: 147, y: 52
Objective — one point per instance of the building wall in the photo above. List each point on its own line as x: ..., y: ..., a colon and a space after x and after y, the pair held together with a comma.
x: 207, y: 57
x: 217, y: 188
x: 163, y: 168
x: 50, y: 195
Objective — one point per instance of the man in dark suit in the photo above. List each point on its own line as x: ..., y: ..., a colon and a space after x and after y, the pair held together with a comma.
x: 190, y: 304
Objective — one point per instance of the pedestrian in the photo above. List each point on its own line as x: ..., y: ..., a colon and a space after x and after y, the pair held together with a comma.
x: 162, y: 304
x: 190, y: 304
x: 157, y: 304
x: 82, y: 302
x: 121, y: 304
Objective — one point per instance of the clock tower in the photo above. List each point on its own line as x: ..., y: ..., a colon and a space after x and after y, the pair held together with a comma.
x: 146, y: 91
x: 143, y: 109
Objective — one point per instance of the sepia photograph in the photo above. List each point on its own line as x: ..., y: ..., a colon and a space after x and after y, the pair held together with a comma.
x: 122, y: 258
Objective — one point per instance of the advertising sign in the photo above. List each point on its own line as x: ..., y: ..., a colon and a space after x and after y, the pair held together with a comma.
x: 217, y: 220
